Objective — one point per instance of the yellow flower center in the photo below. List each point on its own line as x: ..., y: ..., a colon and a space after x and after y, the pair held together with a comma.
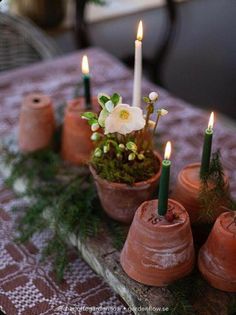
x: 124, y: 114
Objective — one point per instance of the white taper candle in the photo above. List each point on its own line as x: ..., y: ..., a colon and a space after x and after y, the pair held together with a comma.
x: 137, y: 87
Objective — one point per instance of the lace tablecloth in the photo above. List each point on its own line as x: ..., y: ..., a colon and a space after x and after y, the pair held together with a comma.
x: 27, y: 286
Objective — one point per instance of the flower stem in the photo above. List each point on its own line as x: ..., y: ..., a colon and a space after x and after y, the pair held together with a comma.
x: 149, y: 110
x: 157, y: 120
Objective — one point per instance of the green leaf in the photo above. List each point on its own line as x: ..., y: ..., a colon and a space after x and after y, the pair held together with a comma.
x: 89, y: 115
x: 116, y: 98
x: 102, y: 99
x: 92, y: 121
x: 146, y: 99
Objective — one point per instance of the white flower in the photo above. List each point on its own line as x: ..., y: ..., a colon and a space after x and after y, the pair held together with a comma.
x: 109, y: 106
x: 153, y: 96
x: 162, y: 112
x: 95, y: 127
x: 124, y: 119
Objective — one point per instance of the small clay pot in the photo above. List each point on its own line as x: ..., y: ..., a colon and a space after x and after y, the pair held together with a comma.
x: 76, y: 143
x: 158, y: 252
x: 217, y: 257
x: 37, y: 124
x: 120, y: 201
x: 187, y: 190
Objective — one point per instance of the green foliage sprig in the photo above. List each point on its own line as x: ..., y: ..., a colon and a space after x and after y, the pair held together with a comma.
x: 213, y: 192
x: 62, y: 198
x: 184, y: 292
x: 56, y: 196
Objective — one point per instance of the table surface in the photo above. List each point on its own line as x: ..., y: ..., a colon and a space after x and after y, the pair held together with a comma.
x: 28, y: 286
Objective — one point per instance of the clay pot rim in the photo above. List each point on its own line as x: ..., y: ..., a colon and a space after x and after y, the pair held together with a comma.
x: 181, y: 178
x: 166, y: 226
x: 36, y: 105
x: 220, y: 217
x: 124, y: 185
x: 71, y: 105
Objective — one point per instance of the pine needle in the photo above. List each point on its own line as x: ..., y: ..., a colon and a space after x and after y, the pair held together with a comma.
x: 212, y: 193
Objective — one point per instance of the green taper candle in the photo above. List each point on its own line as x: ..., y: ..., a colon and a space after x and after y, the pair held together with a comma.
x: 86, y: 79
x: 164, y: 182
x: 206, y: 152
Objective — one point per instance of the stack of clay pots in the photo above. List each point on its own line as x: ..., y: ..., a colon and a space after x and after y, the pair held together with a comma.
x: 37, y: 127
x: 76, y: 143
x: 157, y: 251
x: 37, y: 124
x: 217, y: 257
x: 187, y: 191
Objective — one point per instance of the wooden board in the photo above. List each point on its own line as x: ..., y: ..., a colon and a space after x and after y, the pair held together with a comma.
x: 103, y: 258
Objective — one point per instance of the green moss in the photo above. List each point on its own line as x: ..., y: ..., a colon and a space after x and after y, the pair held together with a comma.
x: 128, y: 172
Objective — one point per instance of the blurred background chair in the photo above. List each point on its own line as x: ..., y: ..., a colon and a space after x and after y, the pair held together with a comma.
x: 21, y: 42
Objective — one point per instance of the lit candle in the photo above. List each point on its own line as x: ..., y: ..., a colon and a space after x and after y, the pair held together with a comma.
x: 138, y: 67
x: 164, y: 181
x: 86, y: 79
x: 206, y: 152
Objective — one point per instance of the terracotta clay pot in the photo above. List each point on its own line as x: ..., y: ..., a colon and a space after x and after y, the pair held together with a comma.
x: 158, y: 252
x: 37, y: 124
x: 186, y: 192
x: 120, y: 201
x: 76, y: 143
x: 217, y: 257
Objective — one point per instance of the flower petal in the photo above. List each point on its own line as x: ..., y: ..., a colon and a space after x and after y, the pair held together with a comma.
x: 109, y: 106
x: 102, y: 117
x: 124, y: 119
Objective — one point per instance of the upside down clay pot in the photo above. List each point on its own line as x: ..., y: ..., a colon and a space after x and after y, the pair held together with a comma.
x: 37, y: 124
x: 120, y: 201
x: 158, y: 252
x: 76, y: 143
x: 187, y: 193
x: 217, y: 257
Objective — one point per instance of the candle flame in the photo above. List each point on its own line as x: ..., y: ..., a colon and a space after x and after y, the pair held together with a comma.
x: 85, y: 65
x: 211, y: 121
x: 167, y: 151
x: 140, y: 31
